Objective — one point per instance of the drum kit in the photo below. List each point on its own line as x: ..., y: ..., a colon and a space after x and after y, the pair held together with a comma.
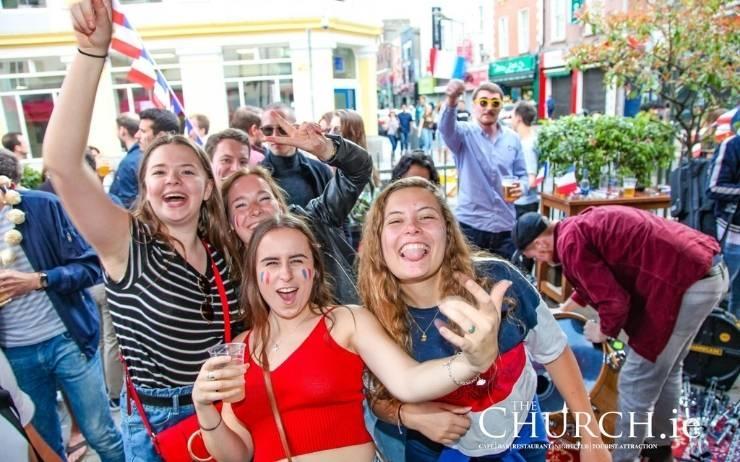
x: 713, y: 363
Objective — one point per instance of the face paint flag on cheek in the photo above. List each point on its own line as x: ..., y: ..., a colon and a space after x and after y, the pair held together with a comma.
x: 264, y: 277
x: 306, y: 273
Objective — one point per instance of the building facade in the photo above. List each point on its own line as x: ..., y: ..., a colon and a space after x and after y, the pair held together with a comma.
x: 216, y: 54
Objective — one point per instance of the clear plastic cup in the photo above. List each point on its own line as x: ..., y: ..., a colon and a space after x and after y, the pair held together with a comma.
x: 236, y: 352
x: 628, y: 186
x: 508, y: 183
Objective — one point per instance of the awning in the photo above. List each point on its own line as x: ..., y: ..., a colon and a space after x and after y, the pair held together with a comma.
x: 557, y: 72
x: 513, y: 69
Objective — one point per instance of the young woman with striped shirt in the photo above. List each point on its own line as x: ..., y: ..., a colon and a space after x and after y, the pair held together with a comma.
x: 162, y: 261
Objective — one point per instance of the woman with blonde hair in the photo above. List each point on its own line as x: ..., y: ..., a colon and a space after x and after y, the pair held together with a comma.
x: 166, y: 264
x: 303, y: 384
x: 414, y: 255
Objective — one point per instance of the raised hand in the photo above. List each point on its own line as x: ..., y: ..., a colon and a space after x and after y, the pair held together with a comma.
x: 93, y: 25
x: 216, y: 382
x: 308, y: 137
x: 455, y: 88
x: 479, y: 342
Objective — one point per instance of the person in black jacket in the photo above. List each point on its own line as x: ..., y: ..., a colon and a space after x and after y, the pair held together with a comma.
x: 252, y: 195
x: 300, y: 176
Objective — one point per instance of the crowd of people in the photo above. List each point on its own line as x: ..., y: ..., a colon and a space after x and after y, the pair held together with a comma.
x: 376, y: 321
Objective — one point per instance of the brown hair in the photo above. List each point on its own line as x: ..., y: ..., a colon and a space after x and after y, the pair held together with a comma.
x: 245, y: 117
x: 380, y: 290
x: 202, y: 121
x: 253, y: 304
x: 228, y: 134
x: 490, y: 87
x: 278, y: 193
x: 212, y: 221
x: 353, y: 129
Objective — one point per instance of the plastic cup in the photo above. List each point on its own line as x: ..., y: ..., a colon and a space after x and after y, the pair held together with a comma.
x: 509, y: 183
x: 628, y: 186
x: 236, y: 352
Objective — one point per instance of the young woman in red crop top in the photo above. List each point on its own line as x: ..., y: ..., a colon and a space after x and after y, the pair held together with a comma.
x: 316, y: 355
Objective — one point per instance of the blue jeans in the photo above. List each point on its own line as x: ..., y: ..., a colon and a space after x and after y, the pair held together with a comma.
x: 425, y: 142
x: 136, y: 441
x: 732, y: 259
x: 404, y: 141
x: 59, y: 362
x: 500, y: 244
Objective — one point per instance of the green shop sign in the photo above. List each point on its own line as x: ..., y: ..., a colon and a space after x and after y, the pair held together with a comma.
x: 426, y: 85
x: 575, y: 5
x: 510, y: 69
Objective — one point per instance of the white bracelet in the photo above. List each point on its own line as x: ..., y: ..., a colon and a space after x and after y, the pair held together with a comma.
x: 448, y: 365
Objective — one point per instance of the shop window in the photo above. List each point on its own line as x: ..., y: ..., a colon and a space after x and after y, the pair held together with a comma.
x: 15, y: 4
x: 343, y: 60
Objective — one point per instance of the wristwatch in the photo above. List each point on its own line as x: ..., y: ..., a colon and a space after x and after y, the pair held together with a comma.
x: 43, y: 281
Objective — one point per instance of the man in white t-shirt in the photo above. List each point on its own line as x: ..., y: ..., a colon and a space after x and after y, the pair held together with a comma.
x: 14, y: 444
x: 525, y: 115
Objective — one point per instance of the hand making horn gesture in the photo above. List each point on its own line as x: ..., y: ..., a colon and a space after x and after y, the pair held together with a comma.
x: 308, y: 137
x: 93, y: 26
x: 479, y: 342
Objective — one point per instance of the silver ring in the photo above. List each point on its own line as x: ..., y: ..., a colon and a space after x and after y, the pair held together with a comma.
x: 471, y: 329
x: 210, y: 376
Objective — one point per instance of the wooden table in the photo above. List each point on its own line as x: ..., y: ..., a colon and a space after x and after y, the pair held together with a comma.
x: 575, y: 205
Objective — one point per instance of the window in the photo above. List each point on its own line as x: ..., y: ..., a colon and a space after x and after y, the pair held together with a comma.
x: 559, y: 15
x: 523, y: 31
x: 257, y: 75
x: 344, y: 63
x: 14, y: 4
x: 503, y: 37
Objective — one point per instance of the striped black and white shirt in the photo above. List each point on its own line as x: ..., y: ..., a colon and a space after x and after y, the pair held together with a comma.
x: 157, y: 312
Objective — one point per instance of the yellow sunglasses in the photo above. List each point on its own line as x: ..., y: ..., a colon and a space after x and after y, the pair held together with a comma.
x: 484, y: 102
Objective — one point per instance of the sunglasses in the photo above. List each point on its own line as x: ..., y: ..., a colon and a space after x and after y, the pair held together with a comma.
x: 206, y: 308
x: 268, y: 130
x: 484, y: 102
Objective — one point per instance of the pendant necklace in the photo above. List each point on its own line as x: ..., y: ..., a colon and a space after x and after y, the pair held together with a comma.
x: 424, y: 331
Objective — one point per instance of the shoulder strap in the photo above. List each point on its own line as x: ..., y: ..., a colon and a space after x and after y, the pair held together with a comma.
x: 275, y: 411
x: 221, y: 294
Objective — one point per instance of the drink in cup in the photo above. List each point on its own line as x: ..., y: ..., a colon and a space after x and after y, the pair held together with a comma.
x: 628, y: 186
x: 509, y: 183
x: 236, y: 352
x: 103, y: 168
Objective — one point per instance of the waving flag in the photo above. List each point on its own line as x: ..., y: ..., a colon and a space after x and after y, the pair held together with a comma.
x: 144, y: 70
x: 566, y: 183
x: 541, y: 174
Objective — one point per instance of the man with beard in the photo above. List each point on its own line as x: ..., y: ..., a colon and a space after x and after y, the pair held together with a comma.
x: 485, y: 152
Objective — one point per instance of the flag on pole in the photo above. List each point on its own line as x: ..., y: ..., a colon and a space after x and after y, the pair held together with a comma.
x: 541, y: 174
x: 144, y: 70
x: 566, y: 183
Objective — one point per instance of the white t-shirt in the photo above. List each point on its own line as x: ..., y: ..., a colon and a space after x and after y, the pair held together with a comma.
x: 14, y: 446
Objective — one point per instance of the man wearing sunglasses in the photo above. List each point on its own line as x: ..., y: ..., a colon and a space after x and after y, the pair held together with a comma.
x: 300, y: 176
x: 484, y: 151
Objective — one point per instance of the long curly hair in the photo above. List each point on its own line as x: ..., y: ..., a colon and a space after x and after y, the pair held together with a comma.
x: 253, y: 304
x: 381, y: 291
x: 212, y: 222
x: 277, y: 192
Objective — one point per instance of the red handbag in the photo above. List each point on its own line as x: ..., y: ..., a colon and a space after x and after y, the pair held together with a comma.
x: 182, y: 442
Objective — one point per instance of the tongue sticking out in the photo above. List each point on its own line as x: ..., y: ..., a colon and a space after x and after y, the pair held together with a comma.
x: 413, y: 254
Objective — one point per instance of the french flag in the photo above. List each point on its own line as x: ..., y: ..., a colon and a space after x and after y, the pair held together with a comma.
x: 541, y: 174
x: 125, y: 40
x: 566, y: 184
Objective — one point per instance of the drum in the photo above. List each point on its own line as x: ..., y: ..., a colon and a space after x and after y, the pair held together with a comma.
x: 715, y: 352
x: 600, y: 380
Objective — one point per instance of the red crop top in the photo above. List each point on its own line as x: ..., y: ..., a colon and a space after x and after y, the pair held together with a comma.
x: 319, y: 393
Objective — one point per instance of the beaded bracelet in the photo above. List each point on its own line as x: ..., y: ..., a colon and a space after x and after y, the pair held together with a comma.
x: 220, y: 419
x: 448, y: 365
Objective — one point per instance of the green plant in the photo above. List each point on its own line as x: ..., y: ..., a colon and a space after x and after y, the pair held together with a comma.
x: 31, y: 177
x: 631, y: 146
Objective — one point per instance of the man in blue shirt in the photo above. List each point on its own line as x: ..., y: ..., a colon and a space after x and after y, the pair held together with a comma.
x: 154, y: 122
x: 49, y: 326
x: 404, y: 127
x: 484, y: 152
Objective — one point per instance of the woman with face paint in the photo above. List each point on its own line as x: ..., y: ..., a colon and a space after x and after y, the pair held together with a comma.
x: 314, y: 355
x: 414, y: 255
x: 162, y: 261
x: 252, y: 196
